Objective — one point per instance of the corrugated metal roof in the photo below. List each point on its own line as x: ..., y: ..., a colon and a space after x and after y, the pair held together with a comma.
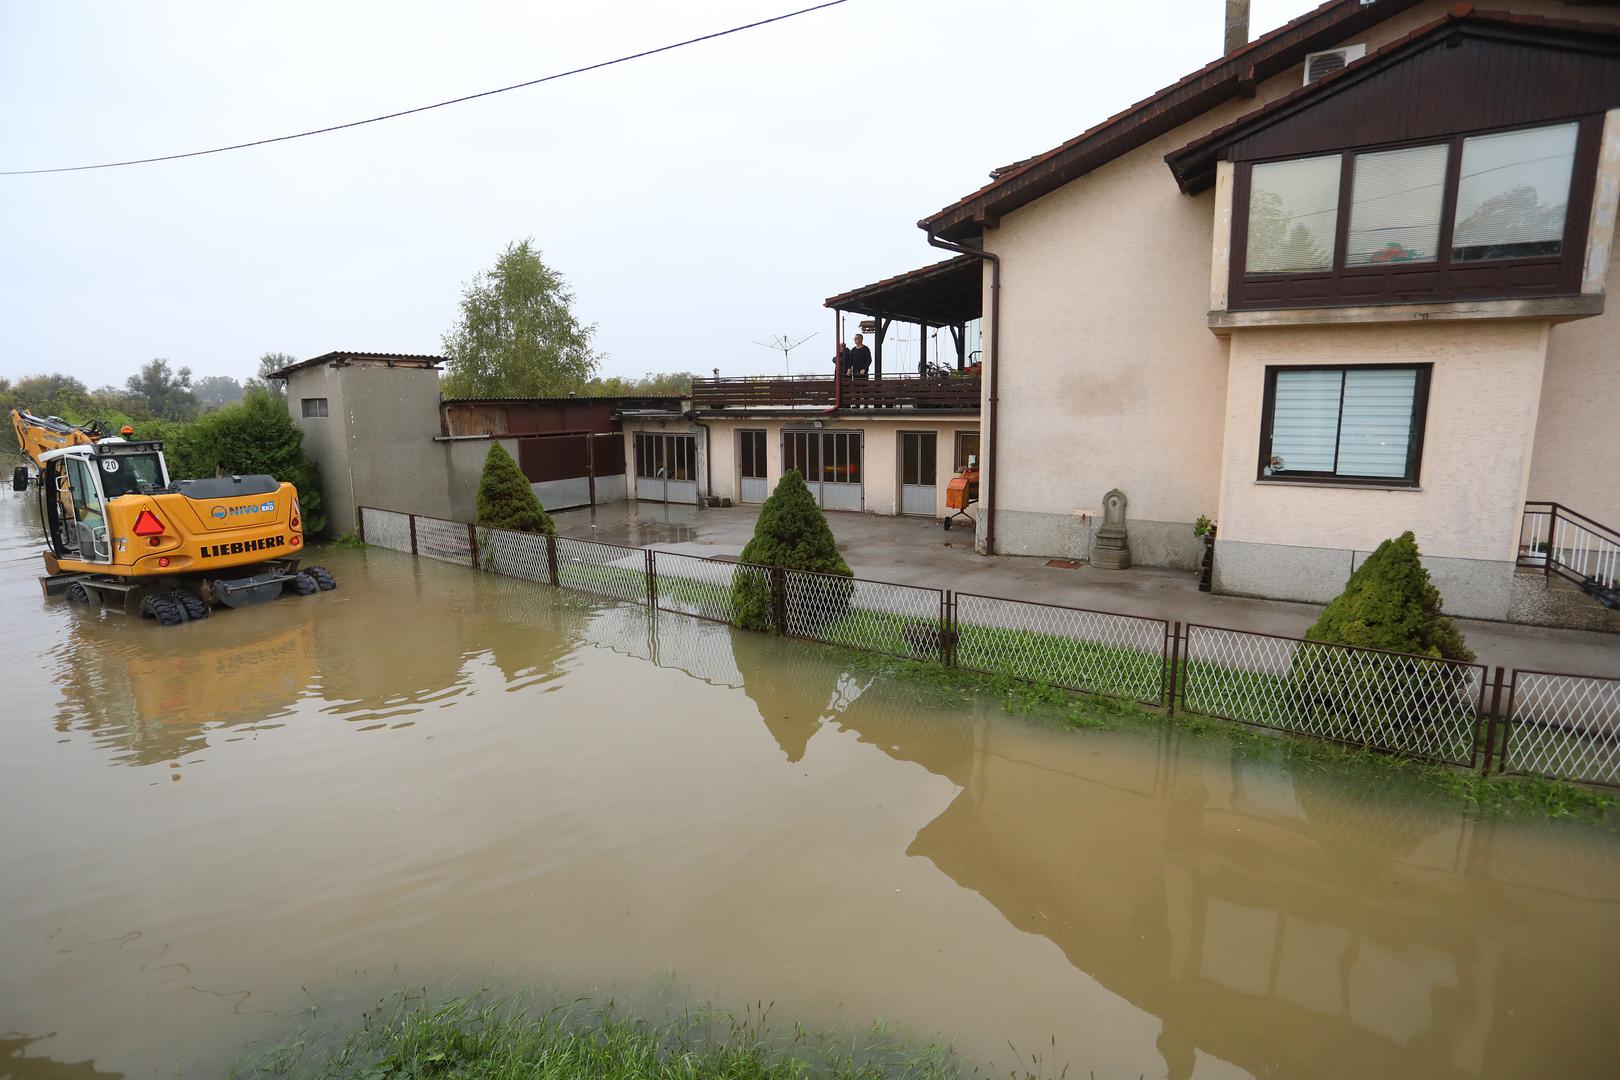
x: 343, y: 356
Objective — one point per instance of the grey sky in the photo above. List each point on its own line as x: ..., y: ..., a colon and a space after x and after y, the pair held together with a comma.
x: 695, y: 200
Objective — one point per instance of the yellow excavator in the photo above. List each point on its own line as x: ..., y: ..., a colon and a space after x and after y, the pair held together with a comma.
x: 119, y: 530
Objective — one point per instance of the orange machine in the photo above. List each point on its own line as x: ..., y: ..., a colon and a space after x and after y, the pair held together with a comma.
x: 961, y: 493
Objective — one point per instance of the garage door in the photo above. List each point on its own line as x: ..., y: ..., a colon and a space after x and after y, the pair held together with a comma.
x: 666, y: 467
x: 831, y: 463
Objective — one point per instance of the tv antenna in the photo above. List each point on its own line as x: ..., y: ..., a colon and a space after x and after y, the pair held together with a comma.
x: 784, y: 344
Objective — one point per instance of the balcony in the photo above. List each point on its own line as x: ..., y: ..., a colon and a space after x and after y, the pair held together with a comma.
x: 953, y: 393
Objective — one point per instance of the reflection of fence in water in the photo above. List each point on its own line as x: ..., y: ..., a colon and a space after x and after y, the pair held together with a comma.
x: 1560, y: 725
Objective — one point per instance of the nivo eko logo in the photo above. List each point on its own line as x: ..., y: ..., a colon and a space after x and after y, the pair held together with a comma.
x: 242, y: 547
x: 220, y: 513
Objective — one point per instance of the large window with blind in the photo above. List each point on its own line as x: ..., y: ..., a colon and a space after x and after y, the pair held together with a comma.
x: 1489, y: 214
x: 1352, y: 425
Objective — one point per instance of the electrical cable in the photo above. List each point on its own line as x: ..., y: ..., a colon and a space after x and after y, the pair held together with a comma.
x: 425, y: 108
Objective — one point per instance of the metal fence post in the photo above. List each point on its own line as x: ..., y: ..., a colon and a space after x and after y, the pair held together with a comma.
x: 360, y: 523
x: 413, y: 532
x: 472, y: 544
x: 1175, y: 664
x: 1495, y: 710
x: 551, y: 558
x: 779, y: 599
x: 652, y: 581
x: 947, y: 628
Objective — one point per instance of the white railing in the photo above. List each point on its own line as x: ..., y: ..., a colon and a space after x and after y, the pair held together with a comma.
x: 1569, y: 544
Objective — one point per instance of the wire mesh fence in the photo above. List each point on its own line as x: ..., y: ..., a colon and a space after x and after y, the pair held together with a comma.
x: 1418, y: 706
x: 603, y: 569
x: 900, y: 620
x: 1566, y: 727
x: 1554, y: 725
x: 386, y: 529
x: 1091, y: 651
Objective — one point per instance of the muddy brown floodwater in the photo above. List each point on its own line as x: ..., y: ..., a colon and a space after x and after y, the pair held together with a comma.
x: 433, y: 777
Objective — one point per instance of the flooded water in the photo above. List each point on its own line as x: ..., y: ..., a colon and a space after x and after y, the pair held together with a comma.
x: 433, y: 777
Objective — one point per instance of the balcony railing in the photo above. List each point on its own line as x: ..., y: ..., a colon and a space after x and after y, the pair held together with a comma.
x: 959, y: 393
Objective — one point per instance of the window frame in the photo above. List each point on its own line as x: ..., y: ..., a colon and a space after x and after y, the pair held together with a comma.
x: 321, y: 411
x: 959, y: 459
x: 1439, y: 281
x: 751, y: 444
x: 1415, y: 437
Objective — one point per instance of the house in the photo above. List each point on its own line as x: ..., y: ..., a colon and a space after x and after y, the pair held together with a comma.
x: 1348, y: 279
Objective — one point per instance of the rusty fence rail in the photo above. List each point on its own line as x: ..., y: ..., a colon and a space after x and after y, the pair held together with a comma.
x: 1528, y: 723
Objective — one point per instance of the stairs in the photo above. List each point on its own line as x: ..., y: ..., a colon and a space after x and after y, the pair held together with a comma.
x: 1577, y: 562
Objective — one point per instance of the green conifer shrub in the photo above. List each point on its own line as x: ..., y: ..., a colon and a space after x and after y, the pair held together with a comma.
x: 792, y: 533
x: 1389, y: 603
x: 505, y: 499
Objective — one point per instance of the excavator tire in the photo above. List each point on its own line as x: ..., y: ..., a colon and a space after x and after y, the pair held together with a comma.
x: 323, y: 577
x: 303, y: 584
x: 165, y: 609
x: 79, y: 593
x: 191, y: 603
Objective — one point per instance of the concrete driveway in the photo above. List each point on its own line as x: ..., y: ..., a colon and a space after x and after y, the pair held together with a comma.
x: 916, y: 551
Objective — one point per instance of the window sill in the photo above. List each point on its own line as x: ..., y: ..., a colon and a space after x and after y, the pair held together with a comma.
x: 1562, y: 308
x: 1337, y: 485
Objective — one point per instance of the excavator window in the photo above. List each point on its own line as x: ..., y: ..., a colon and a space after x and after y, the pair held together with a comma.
x: 130, y: 474
x: 88, y: 528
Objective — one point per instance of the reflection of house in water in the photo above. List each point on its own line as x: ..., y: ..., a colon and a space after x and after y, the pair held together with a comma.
x: 1266, y: 918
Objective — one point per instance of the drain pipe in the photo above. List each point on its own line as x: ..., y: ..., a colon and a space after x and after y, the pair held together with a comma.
x: 995, y: 372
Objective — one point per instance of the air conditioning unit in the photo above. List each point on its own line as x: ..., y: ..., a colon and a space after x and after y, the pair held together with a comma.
x: 1318, y: 64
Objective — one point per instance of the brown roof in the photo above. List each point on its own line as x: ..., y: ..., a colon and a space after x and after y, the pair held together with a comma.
x: 1194, y: 164
x: 1238, y: 72
x: 941, y: 294
x: 417, y: 360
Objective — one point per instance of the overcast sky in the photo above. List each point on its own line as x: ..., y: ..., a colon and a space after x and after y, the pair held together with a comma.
x: 695, y: 200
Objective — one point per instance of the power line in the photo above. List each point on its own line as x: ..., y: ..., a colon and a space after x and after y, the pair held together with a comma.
x: 426, y: 108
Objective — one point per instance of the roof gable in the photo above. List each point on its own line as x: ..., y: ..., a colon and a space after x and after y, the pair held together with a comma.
x: 1470, y: 71
x: 1234, y: 74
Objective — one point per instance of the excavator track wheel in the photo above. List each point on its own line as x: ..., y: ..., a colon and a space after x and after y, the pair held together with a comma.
x: 191, y: 604
x: 323, y: 577
x: 165, y: 609
x: 304, y: 584
x: 79, y: 593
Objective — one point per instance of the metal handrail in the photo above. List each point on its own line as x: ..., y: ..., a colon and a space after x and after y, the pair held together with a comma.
x: 1572, y: 545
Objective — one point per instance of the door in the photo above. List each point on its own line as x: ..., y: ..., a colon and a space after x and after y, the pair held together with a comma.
x: 752, y: 485
x: 918, y: 492
x: 831, y: 464
x: 88, y: 529
x: 666, y: 467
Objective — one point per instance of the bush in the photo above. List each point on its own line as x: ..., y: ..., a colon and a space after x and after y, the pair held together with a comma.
x: 1390, y: 603
x: 256, y: 435
x: 1393, y: 701
x: 791, y: 533
x: 505, y: 499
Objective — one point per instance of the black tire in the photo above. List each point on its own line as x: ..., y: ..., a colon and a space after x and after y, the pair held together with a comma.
x: 947, y: 524
x: 322, y: 576
x: 165, y: 609
x: 79, y: 593
x: 303, y: 584
x: 191, y: 603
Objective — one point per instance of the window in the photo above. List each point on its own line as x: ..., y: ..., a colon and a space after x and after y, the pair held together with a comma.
x: 314, y: 406
x: 130, y: 474
x: 967, y: 451
x: 666, y: 457
x: 1293, y: 206
x: 1354, y: 424
x: 1395, y: 206
x: 1513, y: 194
x: 752, y: 448
x: 1477, y: 216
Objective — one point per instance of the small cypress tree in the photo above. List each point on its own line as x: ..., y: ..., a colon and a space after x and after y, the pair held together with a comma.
x: 1390, y: 603
x: 792, y: 533
x: 505, y: 499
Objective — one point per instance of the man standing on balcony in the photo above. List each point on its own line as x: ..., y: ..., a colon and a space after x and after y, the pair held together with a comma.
x: 859, y: 358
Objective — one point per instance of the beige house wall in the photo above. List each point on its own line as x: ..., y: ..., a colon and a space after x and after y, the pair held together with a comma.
x: 1301, y: 541
x: 880, y: 437
x: 1112, y: 377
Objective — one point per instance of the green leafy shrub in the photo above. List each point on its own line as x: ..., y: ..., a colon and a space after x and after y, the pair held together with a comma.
x: 256, y: 435
x: 791, y: 533
x: 1389, y: 604
x: 505, y: 499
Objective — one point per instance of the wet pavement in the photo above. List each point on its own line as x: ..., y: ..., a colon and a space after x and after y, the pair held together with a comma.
x: 434, y: 777
x: 916, y: 551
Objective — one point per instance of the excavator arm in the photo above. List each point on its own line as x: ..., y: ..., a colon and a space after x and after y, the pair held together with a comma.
x: 37, y: 434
